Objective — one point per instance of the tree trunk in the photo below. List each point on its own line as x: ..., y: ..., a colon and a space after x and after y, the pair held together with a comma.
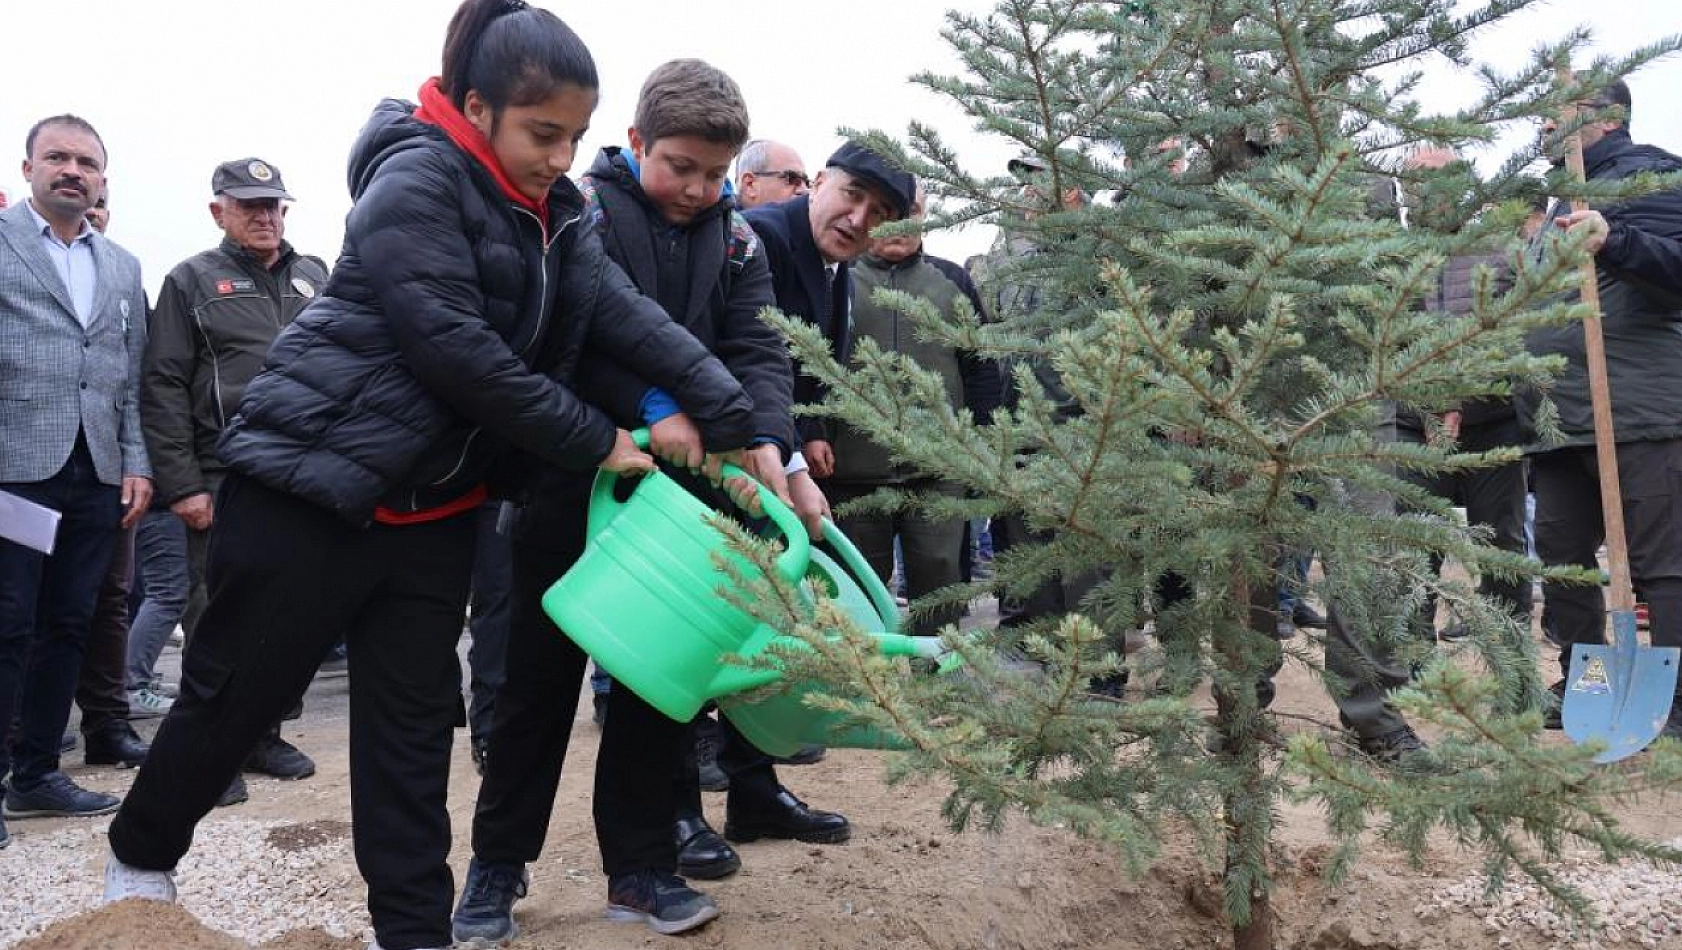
x: 1247, y: 809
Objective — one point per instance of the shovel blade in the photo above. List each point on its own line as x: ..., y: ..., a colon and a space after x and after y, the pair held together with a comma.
x: 1619, y: 694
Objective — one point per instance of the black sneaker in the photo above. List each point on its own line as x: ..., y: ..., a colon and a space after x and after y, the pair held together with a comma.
x: 279, y: 758
x: 56, y: 797
x: 660, y: 899
x: 1552, y: 716
x: 712, y: 777
x: 236, y: 793
x: 1392, y: 748
x: 598, y: 709
x: 484, y: 916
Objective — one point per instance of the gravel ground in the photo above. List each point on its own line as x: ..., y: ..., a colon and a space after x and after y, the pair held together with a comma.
x: 254, y: 880
x: 1636, y: 903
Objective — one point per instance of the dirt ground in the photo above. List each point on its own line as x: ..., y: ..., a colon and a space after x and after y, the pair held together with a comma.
x: 904, y: 881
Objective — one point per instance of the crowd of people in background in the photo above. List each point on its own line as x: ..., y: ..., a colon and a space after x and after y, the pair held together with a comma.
x: 411, y: 434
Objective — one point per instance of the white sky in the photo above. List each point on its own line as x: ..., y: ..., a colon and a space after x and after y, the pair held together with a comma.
x: 177, y: 86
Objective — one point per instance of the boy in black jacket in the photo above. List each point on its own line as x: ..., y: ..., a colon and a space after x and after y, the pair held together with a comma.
x: 662, y: 215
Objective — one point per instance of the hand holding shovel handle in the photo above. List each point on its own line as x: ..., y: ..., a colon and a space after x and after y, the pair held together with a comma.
x: 1600, y: 391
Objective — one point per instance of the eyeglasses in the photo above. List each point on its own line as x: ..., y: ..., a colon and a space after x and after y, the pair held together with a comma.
x: 790, y: 177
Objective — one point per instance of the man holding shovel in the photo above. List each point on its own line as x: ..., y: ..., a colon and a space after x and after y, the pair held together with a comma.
x: 1637, y: 248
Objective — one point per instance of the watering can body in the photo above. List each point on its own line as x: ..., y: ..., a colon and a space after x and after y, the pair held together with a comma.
x: 644, y: 599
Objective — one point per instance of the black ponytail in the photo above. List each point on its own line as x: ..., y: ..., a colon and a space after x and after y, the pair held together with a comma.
x: 512, y: 54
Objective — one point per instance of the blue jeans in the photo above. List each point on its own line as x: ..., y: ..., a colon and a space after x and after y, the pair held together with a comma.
x: 46, y: 606
x: 161, y: 553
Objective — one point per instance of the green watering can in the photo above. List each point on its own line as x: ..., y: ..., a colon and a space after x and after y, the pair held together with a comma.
x: 643, y: 601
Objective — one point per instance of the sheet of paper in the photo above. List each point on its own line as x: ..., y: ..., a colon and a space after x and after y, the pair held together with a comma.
x: 31, y: 525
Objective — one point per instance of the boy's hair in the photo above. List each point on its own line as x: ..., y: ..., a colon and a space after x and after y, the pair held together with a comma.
x: 512, y: 54
x: 690, y: 97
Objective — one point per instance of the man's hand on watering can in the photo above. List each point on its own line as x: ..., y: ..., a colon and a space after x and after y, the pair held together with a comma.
x: 625, y: 458
x: 676, y: 440
x: 808, y: 502
x: 820, y: 457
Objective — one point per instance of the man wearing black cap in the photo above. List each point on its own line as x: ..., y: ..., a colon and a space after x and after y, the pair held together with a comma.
x: 809, y: 242
x: 216, y: 316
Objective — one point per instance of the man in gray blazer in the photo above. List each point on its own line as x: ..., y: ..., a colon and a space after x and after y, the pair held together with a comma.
x: 72, y: 331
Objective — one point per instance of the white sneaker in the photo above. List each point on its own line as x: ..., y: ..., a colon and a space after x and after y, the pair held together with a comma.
x: 148, y: 703
x: 123, y: 881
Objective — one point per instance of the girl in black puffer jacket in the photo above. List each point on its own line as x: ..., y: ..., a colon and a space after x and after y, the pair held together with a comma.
x: 438, y: 353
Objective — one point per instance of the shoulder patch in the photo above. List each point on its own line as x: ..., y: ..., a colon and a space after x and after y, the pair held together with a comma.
x: 592, y: 203
x: 744, y: 240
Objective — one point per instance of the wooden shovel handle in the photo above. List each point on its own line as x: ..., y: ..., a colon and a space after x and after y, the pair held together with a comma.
x: 1600, y: 391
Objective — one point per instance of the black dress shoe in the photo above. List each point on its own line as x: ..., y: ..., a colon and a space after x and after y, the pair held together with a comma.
x: 701, y: 853
x: 114, y: 743
x: 1302, y: 615
x: 785, y: 817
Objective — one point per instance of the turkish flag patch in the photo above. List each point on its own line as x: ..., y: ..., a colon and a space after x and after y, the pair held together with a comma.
x: 224, y: 286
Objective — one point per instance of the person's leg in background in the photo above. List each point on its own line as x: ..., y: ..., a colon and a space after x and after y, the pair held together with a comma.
x: 1650, y: 474
x: 931, y: 550
x: 161, y: 567
x: 101, y: 693
x: 1569, y: 531
x: 46, y: 607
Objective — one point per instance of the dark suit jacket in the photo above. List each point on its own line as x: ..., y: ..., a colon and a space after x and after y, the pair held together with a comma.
x: 803, y: 290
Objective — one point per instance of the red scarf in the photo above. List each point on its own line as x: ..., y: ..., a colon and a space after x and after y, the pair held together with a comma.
x: 437, y: 109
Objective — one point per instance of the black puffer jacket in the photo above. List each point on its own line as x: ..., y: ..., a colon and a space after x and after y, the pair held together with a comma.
x: 1640, y: 271
x: 445, y: 335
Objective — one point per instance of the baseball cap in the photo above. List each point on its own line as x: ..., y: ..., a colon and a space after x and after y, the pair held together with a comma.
x: 248, y: 178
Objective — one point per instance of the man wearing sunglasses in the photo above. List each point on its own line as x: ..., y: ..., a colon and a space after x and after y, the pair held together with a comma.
x: 767, y: 173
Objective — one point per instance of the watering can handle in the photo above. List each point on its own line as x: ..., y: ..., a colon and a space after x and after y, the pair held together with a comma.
x: 791, y: 564
x: 854, y: 561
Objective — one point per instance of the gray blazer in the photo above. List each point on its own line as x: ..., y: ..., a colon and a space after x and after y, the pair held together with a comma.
x: 57, y: 379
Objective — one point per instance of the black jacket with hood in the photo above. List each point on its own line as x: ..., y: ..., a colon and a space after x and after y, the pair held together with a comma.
x: 447, y: 334
x: 710, y: 274
x: 1640, y: 276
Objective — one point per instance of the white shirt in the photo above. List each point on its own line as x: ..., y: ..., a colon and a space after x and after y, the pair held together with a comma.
x: 74, y: 262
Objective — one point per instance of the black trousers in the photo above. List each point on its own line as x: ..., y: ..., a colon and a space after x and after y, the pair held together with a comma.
x: 46, y: 606
x: 1570, y: 529
x: 1493, y: 498
x: 286, y: 581
x: 487, y: 656
x: 102, y: 686
x: 753, y: 774
x: 932, y: 548
x: 634, y: 801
